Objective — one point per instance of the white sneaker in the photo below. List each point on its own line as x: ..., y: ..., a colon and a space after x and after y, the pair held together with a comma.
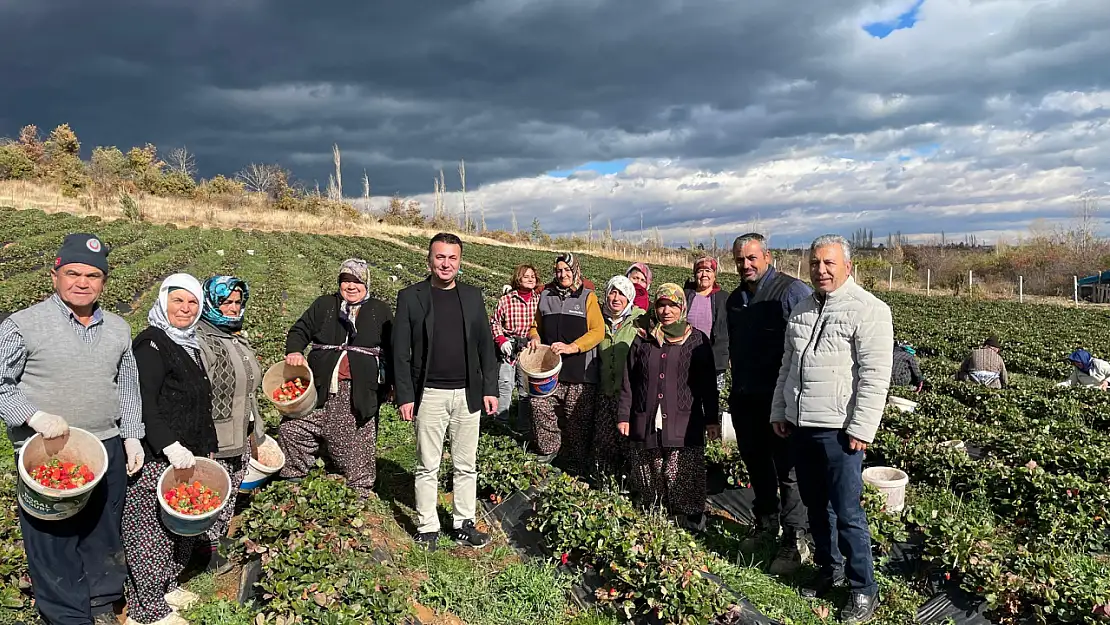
x: 181, y: 599
x: 173, y: 619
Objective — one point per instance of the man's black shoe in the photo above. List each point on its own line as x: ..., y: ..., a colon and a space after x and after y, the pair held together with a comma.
x: 469, y: 536
x: 859, y: 609
x: 427, y: 540
x: 823, y: 584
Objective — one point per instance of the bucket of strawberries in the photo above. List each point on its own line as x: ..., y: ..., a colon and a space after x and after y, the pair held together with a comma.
x: 291, y: 388
x: 190, y: 500
x: 57, y: 476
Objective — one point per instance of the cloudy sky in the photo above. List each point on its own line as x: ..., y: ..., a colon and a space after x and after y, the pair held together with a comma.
x: 700, y: 117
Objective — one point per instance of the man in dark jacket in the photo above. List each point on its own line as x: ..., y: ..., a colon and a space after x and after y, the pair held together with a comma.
x: 446, y: 366
x: 757, y: 315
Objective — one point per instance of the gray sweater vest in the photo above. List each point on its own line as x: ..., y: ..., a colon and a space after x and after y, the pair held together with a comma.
x: 67, y: 377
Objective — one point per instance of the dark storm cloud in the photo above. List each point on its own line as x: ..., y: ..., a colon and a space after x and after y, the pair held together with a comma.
x: 519, y: 87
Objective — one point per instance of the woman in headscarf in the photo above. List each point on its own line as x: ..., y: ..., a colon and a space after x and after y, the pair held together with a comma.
x: 235, y: 376
x: 568, y: 318
x: 621, y: 317
x: 177, y: 412
x: 640, y: 275
x: 510, y: 323
x: 668, y: 407
x: 1088, y: 370
x: 706, y: 311
x: 351, y: 362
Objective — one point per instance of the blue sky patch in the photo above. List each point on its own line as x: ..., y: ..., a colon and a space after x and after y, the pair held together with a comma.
x: 907, y: 19
x: 601, y: 167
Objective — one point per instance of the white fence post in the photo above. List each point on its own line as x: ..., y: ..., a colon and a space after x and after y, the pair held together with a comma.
x: 969, y: 282
x: 1075, y: 289
x: 890, y: 280
x: 799, y: 274
x: 928, y: 281
x: 1021, y: 289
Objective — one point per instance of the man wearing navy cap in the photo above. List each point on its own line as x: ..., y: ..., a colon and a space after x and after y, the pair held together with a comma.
x: 66, y: 361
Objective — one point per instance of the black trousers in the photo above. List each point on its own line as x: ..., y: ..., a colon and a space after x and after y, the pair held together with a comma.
x: 769, y: 460
x: 77, y: 565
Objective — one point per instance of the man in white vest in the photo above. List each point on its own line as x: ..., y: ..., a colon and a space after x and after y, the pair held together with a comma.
x: 66, y: 361
x: 829, y: 399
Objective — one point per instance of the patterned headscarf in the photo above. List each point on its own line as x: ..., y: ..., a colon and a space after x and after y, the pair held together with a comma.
x: 678, y: 331
x: 707, y: 260
x: 626, y: 288
x: 158, y: 316
x: 357, y: 268
x: 642, y: 268
x: 216, y: 291
x: 348, y: 312
x: 576, y: 271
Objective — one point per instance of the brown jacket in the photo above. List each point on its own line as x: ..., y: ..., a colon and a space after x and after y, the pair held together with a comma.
x: 984, y: 360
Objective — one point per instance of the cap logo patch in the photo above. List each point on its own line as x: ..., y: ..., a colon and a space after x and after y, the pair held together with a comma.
x: 57, y: 262
x: 93, y: 245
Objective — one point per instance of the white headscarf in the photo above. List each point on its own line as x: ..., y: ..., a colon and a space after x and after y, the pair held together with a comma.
x: 626, y: 288
x: 159, y: 318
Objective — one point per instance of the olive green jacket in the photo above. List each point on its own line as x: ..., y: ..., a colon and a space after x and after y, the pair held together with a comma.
x: 614, y: 351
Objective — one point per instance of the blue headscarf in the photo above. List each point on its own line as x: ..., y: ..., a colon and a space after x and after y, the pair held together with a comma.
x: 1082, y: 358
x: 216, y: 291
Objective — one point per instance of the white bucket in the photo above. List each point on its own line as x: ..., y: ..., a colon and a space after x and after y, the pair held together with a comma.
x: 258, y: 473
x: 891, y: 483
x: 51, y: 504
x: 209, y: 473
x: 541, y: 368
x: 904, y: 405
x: 280, y: 373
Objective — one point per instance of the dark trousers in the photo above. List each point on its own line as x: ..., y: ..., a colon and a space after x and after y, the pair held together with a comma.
x: 830, y: 477
x: 769, y: 460
x: 77, y: 565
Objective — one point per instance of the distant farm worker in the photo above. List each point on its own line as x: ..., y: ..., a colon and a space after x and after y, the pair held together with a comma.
x: 568, y: 319
x: 668, y: 406
x: 985, y: 365
x: 446, y: 367
x: 621, y: 320
x: 757, y: 315
x: 706, y: 311
x: 829, y: 400
x: 1088, y: 370
x: 640, y: 275
x: 510, y: 323
x: 905, y: 370
x: 235, y: 376
x: 177, y: 412
x: 350, y: 335
x: 69, y: 342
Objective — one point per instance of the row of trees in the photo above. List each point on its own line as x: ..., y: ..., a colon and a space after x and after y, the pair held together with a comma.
x: 111, y: 172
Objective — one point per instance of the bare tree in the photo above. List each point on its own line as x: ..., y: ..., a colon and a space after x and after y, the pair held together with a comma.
x: 260, y: 177
x: 181, y: 160
x: 513, y: 212
x: 335, y: 181
x: 590, y: 234
x: 366, y: 188
x: 1086, y: 221
x: 462, y: 181
x: 482, y: 210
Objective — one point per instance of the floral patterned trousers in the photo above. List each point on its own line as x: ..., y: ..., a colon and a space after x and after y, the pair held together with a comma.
x: 155, y: 556
x: 563, y: 422
x: 670, y: 477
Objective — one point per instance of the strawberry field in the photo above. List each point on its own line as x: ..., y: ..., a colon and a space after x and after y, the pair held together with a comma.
x: 1018, y: 520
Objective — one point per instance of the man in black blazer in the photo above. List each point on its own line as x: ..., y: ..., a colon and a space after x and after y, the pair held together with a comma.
x: 445, y: 365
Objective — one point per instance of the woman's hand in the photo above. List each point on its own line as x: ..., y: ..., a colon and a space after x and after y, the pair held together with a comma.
x: 623, y: 428
x: 713, y: 432
x: 534, y: 343
x: 295, y: 359
x: 1105, y: 383
x: 564, y: 348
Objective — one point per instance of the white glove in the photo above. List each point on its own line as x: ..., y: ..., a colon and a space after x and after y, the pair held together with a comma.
x: 49, y: 425
x: 135, y: 455
x: 179, y: 457
x: 507, y: 349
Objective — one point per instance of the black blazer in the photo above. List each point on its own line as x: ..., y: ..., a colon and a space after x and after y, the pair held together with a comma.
x: 320, y: 324
x: 412, y: 341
